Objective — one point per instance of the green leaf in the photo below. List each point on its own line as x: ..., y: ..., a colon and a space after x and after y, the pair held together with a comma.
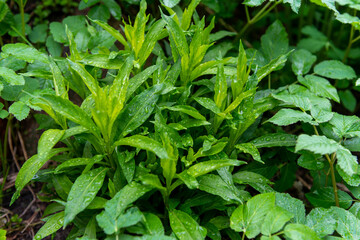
x: 127, y: 195
x: 188, y: 14
x: 251, y: 149
x: 347, y: 161
x: 115, y: 33
x: 185, y: 227
x: 58, y: 79
x: 114, y: 8
x: 302, y: 60
x: 249, y: 218
x: 324, y: 197
x: 102, y: 61
x: 274, y: 42
x: 153, y: 224
x: 151, y: 38
x: 83, y: 192
x: 275, y: 140
x: 170, y: 3
x: 208, y: 104
x: 99, y: 12
x: 53, y: 223
x: 334, y: 69
x: 11, y: 77
x: 139, y: 79
x: 348, y: 226
x: 202, y: 168
x: 320, y: 86
x: 215, y: 185
x: 275, y: 220
x: 89, y: 80
x: 343, y: 125
x: 145, y: 143
x: 316, y: 144
x: 292, y: 205
x: 177, y: 35
x: 71, y: 163
x: 57, y: 31
x: 253, y: 3
x: 322, y: 221
x: 24, y: 52
x: 348, y: 100
x: 137, y: 111
x: 46, y: 142
x: 188, y: 110
x: 245, y: 177
x: 286, y: 117
x: 69, y: 110
x: 300, y: 232
x: 273, y: 65
x: 39, y: 33
x: 20, y: 110
x: 310, y: 161
x: 302, y: 102
x: 295, y: 4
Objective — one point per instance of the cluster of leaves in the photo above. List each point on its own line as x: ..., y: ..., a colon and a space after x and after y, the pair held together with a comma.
x: 163, y: 139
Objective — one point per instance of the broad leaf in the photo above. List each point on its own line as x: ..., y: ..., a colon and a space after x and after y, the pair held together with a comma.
x: 334, y: 69
x: 302, y: 60
x: 320, y: 86
x: 316, y: 144
x: 300, y: 232
x: 286, y: 117
x: 275, y: 220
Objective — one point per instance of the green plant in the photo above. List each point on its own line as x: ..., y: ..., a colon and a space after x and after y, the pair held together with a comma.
x: 161, y: 138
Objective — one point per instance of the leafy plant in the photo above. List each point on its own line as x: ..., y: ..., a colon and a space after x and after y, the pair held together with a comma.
x: 161, y: 129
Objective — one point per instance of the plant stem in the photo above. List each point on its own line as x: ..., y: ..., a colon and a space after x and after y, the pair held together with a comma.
x: 347, y: 51
x: 332, y: 172
x: 257, y: 17
x: 21, y: 6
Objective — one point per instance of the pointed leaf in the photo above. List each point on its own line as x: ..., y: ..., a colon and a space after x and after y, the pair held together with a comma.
x: 185, y: 227
x: 275, y: 220
x: 316, y: 144
x: 83, y: 192
x: 251, y: 149
x: 46, y: 142
x: 275, y: 140
x: 145, y: 143
x: 286, y: 117
x: 53, y: 223
x: 202, y: 168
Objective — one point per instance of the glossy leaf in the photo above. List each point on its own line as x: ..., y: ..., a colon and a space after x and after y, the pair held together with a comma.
x: 24, y: 52
x: 251, y: 149
x: 46, y: 142
x: 249, y: 218
x: 145, y: 143
x: 137, y: 111
x: 300, y: 232
x: 185, y: 227
x: 53, y: 223
x: 202, y: 168
x: 316, y: 144
x: 324, y: 197
x: 347, y: 224
x: 322, y: 221
x: 83, y: 192
x: 275, y: 220
x: 275, y: 140
x: 302, y: 60
x: 286, y: 117
x: 320, y: 86
x: 11, y: 77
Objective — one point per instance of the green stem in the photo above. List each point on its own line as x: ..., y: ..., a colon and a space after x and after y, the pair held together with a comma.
x: 332, y: 172
x: 254, y: 19
x: 347, y: 51
x: 22, y: 13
